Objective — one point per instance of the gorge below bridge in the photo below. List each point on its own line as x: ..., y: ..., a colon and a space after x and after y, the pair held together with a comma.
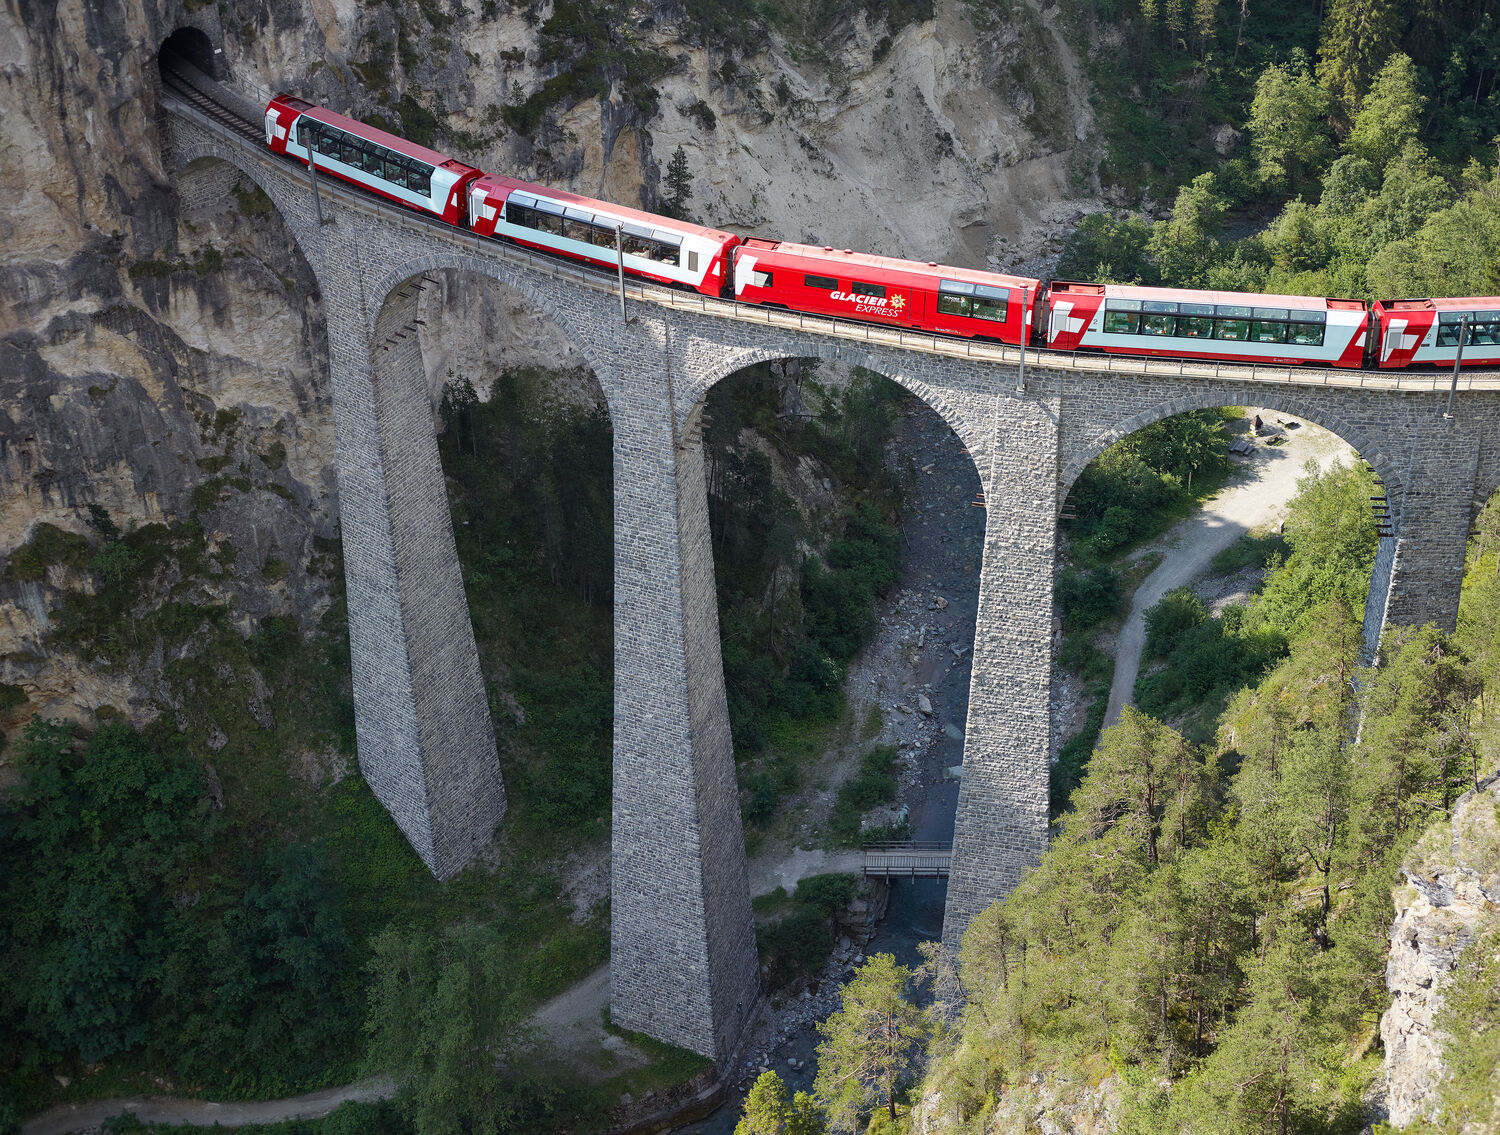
x: 683, y: 959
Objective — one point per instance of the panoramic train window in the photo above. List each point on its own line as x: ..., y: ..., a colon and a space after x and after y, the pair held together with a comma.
x: 876, y: 290
x: 576, y: 224
x: 953, y: 297
x: 367, y: 157
x: 1484, y: 328
x: 979, y: 301
x: 824, y: 283
x: 1229, y: 322
x: 1196, y: 320
x: 989, y: 303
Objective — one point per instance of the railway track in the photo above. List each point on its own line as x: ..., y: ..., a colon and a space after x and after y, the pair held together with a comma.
x: 181, y: 86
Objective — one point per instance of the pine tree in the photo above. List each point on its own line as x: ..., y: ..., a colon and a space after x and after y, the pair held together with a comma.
x: 1358, y: 37
x: 870, y: 1045
x: 679, y: 185
x: 767, y: 1108
x: 770, y: 1111
x: 443, y: 1018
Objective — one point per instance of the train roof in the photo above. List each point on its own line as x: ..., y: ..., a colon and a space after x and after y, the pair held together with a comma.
x: 1195, y: 295
x: 1446, y: 303
x: 830, y: 255
x: 372, y: 133
x: 623, y: 212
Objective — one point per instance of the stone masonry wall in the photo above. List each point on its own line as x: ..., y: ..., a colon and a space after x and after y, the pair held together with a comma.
x: 682, y: 948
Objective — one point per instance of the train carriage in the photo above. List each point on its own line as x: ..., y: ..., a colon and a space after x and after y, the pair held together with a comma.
x: 1414, y: 332
x: 396, y: 169
x: 1228, y: 326
x: 882, y: 289
x: 667, y: 251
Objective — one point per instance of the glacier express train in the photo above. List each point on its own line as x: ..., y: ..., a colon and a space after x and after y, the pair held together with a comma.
x: 1114, y: 319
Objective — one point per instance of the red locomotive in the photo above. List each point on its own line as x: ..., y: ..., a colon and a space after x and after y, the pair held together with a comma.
x: 932, y: 298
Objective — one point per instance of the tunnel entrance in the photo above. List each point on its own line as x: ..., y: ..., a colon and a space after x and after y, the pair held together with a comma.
x: 192, y: 47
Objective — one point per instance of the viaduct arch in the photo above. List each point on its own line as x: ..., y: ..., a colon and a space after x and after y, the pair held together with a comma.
x: 683, y: 964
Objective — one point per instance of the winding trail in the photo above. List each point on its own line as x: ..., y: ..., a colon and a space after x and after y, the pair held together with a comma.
x: 1256, y: 497
x: 84, y: 1117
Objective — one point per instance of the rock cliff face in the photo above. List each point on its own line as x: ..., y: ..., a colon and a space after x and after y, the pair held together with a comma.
x: 167, y: 364
x: 163, y: 365
x: 948, y: 138
x: 1452, y: 898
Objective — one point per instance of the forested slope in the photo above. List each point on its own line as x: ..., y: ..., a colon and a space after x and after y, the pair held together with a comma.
x: 1366, y: 171
x: 1211, y: 925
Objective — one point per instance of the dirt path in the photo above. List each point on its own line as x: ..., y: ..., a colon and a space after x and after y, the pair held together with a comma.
x: 1256, y: 497
x: 84, y: 1118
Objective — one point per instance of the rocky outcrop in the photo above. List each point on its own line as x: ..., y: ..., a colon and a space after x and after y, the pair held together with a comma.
x: 1049, y: 1103
x: 1450, y: 899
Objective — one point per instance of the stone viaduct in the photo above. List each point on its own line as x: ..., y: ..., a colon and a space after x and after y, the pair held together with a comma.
x: 683, y: 960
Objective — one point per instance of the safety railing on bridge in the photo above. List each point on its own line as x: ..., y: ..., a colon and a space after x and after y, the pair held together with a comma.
x: 1046, y: 359
x: 908, y: 860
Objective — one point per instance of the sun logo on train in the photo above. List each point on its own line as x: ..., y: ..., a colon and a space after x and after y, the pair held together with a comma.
x: 898, y: 301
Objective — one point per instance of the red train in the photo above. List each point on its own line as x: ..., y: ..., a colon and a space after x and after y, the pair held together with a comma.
x: 1116, y: 319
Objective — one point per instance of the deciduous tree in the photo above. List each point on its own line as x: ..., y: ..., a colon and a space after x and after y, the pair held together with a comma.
x: 1288, y: 127
x: 1389, y: 115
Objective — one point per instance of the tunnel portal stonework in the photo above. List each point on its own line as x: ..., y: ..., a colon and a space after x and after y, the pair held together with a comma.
x: 683, y: 962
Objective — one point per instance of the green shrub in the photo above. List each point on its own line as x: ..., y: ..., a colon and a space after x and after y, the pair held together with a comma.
x: 1175, y: 613
x: 871, y: 786
x: 49, y: 545
x: 795, y: 935
x: 1087, y: 597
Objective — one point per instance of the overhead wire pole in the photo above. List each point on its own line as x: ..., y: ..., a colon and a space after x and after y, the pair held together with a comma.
x: 1463, y: 336
x: 312, y: 174
x: 620, y: 264
x: 1025, y: 334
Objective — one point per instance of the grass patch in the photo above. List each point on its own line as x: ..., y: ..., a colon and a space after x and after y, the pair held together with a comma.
x: 1248, y: 551
x: 871, y: 786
